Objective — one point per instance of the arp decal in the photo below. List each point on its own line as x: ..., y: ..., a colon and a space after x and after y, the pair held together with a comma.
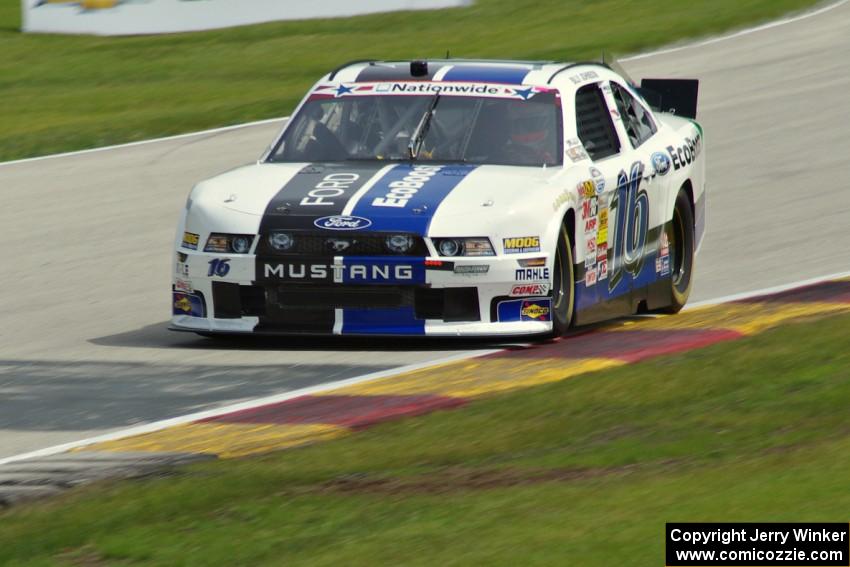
x: 521, y: 244
x: 219, y: 267
x: 630, y: 208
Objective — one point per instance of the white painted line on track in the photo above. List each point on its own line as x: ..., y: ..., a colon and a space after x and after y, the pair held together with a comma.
x: 739, y: 33
x: 636, y: 57
x: 328, y: 386
x: 766, y: 291
x: 145, y: 142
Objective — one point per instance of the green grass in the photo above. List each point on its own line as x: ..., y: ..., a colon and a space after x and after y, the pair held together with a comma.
x: 581, y: 472
x: 63, y: 93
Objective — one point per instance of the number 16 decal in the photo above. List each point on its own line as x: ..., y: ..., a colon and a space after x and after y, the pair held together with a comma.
x: 630, y: 209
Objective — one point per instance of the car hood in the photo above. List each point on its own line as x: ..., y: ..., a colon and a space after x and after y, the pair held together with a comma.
x: 405, y: 197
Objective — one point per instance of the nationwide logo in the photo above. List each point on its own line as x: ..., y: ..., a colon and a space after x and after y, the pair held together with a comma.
x: 340, y: 222
x: 535, y: 311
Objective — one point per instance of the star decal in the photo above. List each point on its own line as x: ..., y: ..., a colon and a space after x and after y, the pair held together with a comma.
x: 342, y: 89
x: 525, y: 93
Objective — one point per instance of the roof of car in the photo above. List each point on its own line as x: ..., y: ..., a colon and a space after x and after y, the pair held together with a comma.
x: 455, y: 70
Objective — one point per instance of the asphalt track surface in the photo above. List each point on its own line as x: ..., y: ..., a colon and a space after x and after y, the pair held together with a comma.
x: 84, y: 348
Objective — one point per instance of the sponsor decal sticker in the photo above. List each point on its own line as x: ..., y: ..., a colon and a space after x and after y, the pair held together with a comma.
x: 598, y: 179
x: 340, y: 222
x: 575, y: 150
x: 661, y: 163
x: 190, y: 240
x: 536, y: 310
x: 521, y: 244
x: 687, y: 153
x: 586, y: 189
x: 525, y: 290
x: 590, y: 278
x: 188, y: 304
x: 590, y: 246
x: 602, y: 269
x: 602, y: 232
x: 589, y: 208
x: 664, y: 248
x: 532, y: 275
x: 662, y: 265
x: 472, y: 269
x: 449, y: 87
x: 565, y: 197
x: 183, y: 285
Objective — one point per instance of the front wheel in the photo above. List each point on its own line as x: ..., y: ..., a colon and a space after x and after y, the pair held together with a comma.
x: 563, y: 285
x: 680, y: 236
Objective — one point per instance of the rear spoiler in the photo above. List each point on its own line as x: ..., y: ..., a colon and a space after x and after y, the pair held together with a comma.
x: 676, y: 96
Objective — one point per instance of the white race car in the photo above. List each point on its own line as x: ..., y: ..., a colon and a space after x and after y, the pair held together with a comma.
x: 452, y: 197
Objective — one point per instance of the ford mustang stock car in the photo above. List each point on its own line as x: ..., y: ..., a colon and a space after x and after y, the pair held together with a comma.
x: 456, y: 198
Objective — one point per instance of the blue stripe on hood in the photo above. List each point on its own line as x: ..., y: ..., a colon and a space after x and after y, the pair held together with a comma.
x: 407, y: 197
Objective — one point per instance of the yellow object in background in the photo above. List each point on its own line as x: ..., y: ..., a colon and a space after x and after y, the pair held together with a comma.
x: 86, y: 4
x: 98, y: 4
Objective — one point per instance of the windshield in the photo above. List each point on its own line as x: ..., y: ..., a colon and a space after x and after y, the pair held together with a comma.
x: 440, y: 128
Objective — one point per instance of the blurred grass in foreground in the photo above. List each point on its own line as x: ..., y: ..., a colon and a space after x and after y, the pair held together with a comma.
x: 63, y: 93
x: 581, y: 472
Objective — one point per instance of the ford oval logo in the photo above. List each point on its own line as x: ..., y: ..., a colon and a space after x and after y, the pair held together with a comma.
x: 661, y: 163
x: 340, y: 222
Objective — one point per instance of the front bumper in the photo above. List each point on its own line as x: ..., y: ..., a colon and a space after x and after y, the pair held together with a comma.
x: 450, y: 299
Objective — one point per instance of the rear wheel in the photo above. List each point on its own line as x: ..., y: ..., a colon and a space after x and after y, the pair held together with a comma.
x: 680, y: 236
x: 563, y: 285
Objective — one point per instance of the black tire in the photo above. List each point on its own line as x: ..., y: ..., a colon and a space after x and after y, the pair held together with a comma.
x: 680, y: 234
x: 563, y: 285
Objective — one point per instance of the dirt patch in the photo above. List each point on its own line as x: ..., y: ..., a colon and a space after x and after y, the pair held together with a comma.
x: 463, y: 479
